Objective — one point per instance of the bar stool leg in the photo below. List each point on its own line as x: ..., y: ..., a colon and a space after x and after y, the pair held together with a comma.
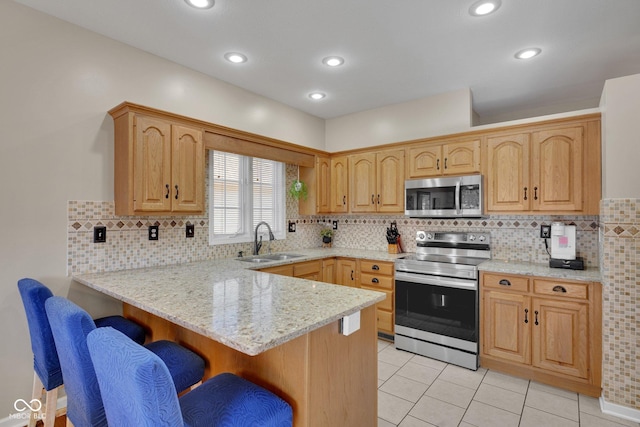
x: 50, y: 411
x: 36, y: 393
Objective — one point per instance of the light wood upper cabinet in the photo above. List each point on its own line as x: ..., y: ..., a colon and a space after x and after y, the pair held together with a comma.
x: 557, y: 169
x: 452, y: 158
x: 159, y: 166
x: 540, y: 171
x: 318, y: 180
x: 376, y: 181
x: 339, y: 201
x: 507, y: 179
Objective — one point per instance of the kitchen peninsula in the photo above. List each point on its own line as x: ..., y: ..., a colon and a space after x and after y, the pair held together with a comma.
x: 277, y: 331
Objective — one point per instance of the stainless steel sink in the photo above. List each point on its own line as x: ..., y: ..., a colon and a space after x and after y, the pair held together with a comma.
x: 268, y: 258
x: 280, y: 257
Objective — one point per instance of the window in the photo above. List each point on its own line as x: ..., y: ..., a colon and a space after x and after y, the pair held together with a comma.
x: 244, y: 191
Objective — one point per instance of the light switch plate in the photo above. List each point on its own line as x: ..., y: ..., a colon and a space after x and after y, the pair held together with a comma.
x: 99, y: 234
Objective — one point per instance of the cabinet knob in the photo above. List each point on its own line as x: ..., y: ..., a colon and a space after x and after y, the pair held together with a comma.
x: 504, y: 282
x: 375, y: 280
x: 560, y: 289
x: 375, y: 267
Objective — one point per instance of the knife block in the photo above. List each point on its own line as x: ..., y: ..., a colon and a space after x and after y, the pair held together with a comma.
x: 393, y: 248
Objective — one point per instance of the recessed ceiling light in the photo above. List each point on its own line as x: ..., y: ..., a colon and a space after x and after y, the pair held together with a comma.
x: 316, y: 96
x: 236, y: 58
x: 201, y: 4
x: 484, y: 7
x: 527, y: 53
x: 333, y: 61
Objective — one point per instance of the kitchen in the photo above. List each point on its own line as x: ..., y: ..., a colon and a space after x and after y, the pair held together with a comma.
x: 59, y: 154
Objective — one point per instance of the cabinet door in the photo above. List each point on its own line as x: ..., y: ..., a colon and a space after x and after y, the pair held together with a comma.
x: 152, y: 165
x: 362, y: 182
x: 390, y: 181
x: 557, y: 169
x: 282, y: 270
x: 508, y: 187
x: 505, y: 323
x: 346, y: 272
x: 329, y: 270
x: 339, y: 184
x: 323, y: 185
x: 461, y: 157
x: 187, y: 169
x: 424, y: 161
x: 560, y: 336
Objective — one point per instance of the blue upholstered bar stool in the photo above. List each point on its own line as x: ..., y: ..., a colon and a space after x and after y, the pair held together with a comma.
x: 47, y: 375
x: 137, y: 391
x: 70, y: 325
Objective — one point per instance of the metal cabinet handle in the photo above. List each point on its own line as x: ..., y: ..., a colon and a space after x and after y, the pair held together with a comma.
x: 438, y: 164
x: 378, y: 199
x: 177, y: 191
x: 168, y: 191
x: 373, y: 199
x: 536, y: 322
x: 535, y: 193
x: 344, y: 200
x: 375, y: 267
x: 504, y: 282
x: 375, y: 280
x: 559, y: 288
x: 525, y: 193
x: 445, y: 162
x: 351, y: 274
x: 526, y: 313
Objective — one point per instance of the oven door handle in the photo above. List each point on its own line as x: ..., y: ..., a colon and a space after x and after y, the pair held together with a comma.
x: 458, y: 197
x: 437, y: 281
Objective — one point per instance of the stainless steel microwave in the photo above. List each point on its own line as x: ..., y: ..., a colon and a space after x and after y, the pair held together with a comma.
x: 450, y: 197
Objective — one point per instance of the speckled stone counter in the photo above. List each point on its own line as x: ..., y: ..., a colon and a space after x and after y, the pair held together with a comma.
x: 540, y: 270
x: 227, y: 301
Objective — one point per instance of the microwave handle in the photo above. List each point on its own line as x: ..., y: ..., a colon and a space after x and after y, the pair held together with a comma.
x: 458, y: 197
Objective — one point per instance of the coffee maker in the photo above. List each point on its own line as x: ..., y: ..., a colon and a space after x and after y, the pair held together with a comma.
x: 563, y: 247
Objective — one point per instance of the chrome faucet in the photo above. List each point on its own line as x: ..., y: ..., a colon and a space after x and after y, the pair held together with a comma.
x: 258, y: 244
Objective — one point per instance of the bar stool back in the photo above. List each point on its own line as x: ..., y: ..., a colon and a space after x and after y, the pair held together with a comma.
x: 136, y: 389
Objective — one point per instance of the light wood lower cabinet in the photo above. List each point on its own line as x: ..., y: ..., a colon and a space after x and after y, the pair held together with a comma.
x: 311, y: 270
x: 548, y: 330
x: 378, y: 276
x: 346, y: 269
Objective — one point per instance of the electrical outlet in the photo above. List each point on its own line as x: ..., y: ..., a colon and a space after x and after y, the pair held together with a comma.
x: 99, y: 234
x: 335, y: 225
x: 190, y: 231
x: 545, y: 231
x: 292, y: 227
x: 153, y: 232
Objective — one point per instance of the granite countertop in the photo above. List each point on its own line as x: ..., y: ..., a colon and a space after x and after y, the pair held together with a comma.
x: 541, y: 270
x: 228, y: 301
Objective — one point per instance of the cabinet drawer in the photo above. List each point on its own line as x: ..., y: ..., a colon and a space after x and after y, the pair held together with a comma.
x: 376, y: 281
x: 376, y: 267
x: 561, y: 289
x: 306, y: 268
x: 385, y: 321
x: 387, y: 303
x: 505, y: 282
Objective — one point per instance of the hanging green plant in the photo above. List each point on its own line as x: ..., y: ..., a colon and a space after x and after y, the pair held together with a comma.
x: 298, y: 190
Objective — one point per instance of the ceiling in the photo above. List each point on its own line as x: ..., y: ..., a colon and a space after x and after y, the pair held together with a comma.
x: 394, y: 51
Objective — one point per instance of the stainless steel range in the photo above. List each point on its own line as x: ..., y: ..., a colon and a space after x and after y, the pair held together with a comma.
x: 437, y: 296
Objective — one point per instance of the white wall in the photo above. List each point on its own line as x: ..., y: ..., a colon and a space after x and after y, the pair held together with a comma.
x: 620, y: 104
x: 437, y: 115
x: 57, y: 82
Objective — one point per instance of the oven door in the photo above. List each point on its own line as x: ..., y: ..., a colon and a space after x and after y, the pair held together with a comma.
x: 438, y: 306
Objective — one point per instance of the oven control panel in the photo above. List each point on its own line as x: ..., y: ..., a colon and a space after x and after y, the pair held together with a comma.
x: 452, y: 237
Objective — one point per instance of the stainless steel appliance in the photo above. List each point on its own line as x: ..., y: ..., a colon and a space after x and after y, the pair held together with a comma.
x: 437, y: 296
x: 450, y: 197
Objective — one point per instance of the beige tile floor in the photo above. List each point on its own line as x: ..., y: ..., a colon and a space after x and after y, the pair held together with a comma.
x: 415, y: 391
